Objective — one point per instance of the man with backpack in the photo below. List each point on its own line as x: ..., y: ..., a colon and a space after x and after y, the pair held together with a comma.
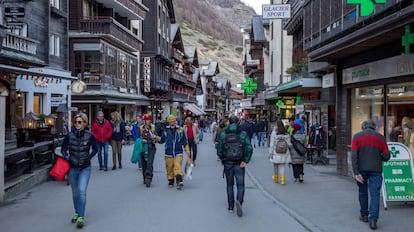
x: 234, y: 150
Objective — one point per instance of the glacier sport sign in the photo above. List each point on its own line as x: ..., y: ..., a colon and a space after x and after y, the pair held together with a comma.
x: 276, y: 11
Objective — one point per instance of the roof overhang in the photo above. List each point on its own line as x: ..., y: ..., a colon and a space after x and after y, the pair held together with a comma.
x: 300, y: 85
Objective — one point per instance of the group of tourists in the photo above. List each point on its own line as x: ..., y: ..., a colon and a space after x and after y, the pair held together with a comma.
x: 234, y: 150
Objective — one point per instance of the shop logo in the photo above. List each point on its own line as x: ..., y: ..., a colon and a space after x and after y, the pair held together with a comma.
x: 366, y: 6
x: 249, y: 86
x: 394, y: 152
x: 407, y: 39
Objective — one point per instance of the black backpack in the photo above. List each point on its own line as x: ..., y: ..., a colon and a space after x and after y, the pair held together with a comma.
x: 233, y: 148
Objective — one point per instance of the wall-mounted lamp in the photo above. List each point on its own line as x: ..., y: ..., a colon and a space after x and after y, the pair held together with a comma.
x: 18, y: 93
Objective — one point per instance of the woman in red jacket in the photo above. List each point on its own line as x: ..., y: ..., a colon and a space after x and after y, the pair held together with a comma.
x: 102, y: 130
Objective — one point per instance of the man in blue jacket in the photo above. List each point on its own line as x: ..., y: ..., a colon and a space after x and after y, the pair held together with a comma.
x: 369, y: 150
x: 175, y: 145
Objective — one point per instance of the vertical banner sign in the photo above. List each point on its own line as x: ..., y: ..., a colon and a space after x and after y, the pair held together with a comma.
x: 147, y: 74
x: 398, y: 184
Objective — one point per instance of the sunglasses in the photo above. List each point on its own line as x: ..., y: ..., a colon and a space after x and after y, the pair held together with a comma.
x: 78, y: 122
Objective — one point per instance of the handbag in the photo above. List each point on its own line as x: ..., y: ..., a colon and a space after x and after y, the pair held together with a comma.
x: 298, y: 146
x: 60, y: 169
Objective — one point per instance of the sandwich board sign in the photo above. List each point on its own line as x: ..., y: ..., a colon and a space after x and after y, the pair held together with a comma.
x: 398, y: 174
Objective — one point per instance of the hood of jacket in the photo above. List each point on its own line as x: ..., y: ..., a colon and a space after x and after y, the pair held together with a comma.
x: 233, y: 128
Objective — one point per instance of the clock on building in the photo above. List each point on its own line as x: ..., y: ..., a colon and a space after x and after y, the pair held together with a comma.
x: 78, y: 86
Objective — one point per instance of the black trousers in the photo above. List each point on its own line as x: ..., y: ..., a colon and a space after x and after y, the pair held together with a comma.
x: 148, y: 161
x: 297, y: 170
x: 193, y: 149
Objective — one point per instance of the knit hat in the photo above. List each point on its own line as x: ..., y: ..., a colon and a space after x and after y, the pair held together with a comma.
x: 171, y: 117
x: 296, y: 126
x: 146, y: 117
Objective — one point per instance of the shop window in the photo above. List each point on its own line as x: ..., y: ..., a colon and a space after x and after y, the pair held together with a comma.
x: 367, y: 103
x: 400, y: 113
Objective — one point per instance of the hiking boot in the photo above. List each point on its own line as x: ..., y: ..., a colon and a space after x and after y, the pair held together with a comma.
x: 79, y: 222
x: 75, y: 217
x: 170, y: 183
x: 180, y: 183
x: 363, y: 218
x: 239, y: 210
x: 373, y: 225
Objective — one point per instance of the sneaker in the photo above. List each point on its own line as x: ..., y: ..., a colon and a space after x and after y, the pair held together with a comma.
x: 170, y: 183
x: 180, y: 185
x: 120, y: 165
x: 105, y: 169
x: 230, y: 211
x: 75, y: 217
x: 239, y: 210
x: 113, y: 168
x: 300, y: 178
x: 100, y: 168
x: 79, y: 222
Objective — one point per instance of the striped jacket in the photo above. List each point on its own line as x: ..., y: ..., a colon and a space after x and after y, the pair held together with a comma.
x: 369, y: 149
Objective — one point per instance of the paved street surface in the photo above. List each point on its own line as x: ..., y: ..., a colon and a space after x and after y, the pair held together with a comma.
x: 118, y: 201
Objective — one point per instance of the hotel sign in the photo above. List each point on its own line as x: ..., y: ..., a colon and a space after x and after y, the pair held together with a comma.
x: 390, y: 67
x: 147, y: 74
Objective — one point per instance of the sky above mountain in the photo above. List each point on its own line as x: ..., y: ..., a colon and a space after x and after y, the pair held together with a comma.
x: 256, y: 4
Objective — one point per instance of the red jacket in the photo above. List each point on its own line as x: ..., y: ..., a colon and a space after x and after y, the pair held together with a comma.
x: 102, y: 133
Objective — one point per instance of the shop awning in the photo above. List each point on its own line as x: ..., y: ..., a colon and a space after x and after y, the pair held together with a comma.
x: 299, y: 85
x: 194, y: 109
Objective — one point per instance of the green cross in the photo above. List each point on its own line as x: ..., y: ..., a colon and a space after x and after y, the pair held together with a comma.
x: 280, y: 103
x: 249, y: 86
x: 297, y: 100
x: 407, y: 39
x: 366, y: 6
x: 394, y: 152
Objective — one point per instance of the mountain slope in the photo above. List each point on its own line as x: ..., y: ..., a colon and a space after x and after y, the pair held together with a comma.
x: 213, y: 26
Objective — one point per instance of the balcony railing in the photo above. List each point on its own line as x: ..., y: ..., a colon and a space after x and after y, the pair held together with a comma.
x: 134, y: 6
x: 192, y: 99
x: 109, y: 27
x: 176, y: 54
x: 20, y: 43
x: 179, y: 76
x: 181, y: 97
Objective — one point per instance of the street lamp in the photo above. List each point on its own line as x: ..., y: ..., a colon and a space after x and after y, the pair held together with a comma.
x: 30, y: 120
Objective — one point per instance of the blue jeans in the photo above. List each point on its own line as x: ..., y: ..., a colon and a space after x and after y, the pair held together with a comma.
x: 201, y: 134
x: 254, y: 138
x: 261, y: 137
x: 373, y: 183
x: 234, y: 171
x: 103, y: 146
x: 79, y: 180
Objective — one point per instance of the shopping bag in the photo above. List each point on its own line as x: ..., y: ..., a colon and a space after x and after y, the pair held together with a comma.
x: 60, y: 169
x: 189, y: 169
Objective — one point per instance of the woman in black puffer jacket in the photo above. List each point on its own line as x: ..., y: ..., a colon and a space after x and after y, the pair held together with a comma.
x: 76, y: 148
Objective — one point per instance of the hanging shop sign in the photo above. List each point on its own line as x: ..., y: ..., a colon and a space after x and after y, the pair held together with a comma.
x: 276, y: 11
x: 249, y: 86
x: 366, y: 8
x: 398, y: 184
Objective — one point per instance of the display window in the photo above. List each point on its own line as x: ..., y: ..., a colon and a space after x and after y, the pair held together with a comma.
x: 393, y: 112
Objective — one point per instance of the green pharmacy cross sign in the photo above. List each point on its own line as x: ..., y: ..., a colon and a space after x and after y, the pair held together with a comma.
x: 249, y: 86
x: 407, y: 39
x: 366, y: 6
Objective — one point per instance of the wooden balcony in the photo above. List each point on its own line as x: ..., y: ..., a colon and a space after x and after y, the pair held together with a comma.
x: 127, y: 7
x: 177, y: 54
x: 113, y: 30
x: 192, y: 99
x: 20, y: 43
x: 179, y: 97
x: 178, y: 76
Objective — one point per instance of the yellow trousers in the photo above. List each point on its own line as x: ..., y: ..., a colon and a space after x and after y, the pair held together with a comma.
x: 173, y: 166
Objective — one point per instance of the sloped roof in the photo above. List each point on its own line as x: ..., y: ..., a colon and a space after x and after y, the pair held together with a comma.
x: 213, y: 69
x: 222, y: 82
x: 190, y: 51
x: 174, y: 30
x: 258, y: 29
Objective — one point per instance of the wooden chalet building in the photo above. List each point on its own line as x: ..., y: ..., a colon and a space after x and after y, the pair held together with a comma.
x: 105, y: 44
